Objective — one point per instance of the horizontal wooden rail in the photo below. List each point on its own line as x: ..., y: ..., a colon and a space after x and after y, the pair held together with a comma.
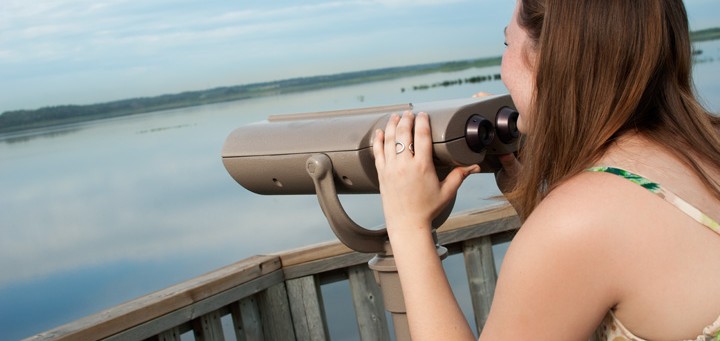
x: 278, y: 297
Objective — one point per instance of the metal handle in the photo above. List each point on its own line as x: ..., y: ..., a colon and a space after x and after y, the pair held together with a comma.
x: 356, y: 237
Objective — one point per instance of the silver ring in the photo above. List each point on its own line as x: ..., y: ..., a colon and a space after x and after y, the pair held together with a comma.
x: 399, y: 147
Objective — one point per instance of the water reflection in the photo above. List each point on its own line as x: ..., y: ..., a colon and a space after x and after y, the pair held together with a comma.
x: 23, y: 137
x: 156, y: 130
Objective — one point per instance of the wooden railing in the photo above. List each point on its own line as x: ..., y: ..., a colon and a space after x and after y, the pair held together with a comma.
x: 278, y: 297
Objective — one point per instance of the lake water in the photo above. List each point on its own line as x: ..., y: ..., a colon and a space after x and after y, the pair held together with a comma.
x: 96, y: 214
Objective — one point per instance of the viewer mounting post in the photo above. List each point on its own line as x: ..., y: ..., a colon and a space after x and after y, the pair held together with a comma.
x: 360, y: 239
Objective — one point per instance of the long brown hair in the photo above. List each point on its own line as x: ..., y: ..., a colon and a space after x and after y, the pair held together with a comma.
x: 604, y: 68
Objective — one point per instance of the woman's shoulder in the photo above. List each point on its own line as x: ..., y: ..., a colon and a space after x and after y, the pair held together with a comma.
x: 595, y: 220
x: 590, y: 201
x: 567, y: 249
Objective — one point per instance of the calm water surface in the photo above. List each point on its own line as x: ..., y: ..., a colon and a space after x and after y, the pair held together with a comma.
x: 97, y: 214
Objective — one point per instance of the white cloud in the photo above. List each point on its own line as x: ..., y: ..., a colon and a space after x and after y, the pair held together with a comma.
x: 64, y: 29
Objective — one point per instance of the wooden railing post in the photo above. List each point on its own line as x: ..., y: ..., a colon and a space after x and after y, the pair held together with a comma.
x: 208, y: 327
x: 275, y: 313
x: 247, y: 320
x: 368, y: 303
x: 481, y: 274
x: 308, y: 314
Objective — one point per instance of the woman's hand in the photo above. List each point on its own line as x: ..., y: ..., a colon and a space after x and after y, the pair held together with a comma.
x: 507, y: 176
x: 411, y: 193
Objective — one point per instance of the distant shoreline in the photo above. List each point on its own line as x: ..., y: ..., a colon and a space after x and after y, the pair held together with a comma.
x: 705, y: 35
x: 23, y: 120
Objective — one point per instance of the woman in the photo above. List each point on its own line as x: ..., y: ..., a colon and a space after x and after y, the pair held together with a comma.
x: 604, y: 92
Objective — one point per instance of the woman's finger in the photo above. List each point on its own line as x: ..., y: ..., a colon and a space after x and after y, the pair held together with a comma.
x: 378, y: 149
x: 506, y: 178
x: 452, y: 182
x: 510, y: 164
x: 403, y: 135
x: 390, y: 129
x: 423, y: 140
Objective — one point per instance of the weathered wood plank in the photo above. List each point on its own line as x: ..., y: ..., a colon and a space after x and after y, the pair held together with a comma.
x: 306, y: 306
x: 209, y: 327
x: 482, y: 276
x: 485, y: 214
x: 478, y: 224
x: 312, y: 253
x: 157, y: 304
x: 195, y: 310
x: 275, y: 313
x: 247, y: 320
x: 368, y: 302
x: 327, y: 264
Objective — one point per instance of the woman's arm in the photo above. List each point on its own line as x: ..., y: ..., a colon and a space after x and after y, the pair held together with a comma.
x: 412, y: 196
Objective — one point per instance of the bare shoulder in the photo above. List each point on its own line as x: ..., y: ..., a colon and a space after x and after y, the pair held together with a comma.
x: 595, y: 217
x: 589, y: 205
x: 565, y: 250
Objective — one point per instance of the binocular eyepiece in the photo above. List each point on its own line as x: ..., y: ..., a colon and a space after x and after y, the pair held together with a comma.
x: 270, y: 157
x: 481, y: 133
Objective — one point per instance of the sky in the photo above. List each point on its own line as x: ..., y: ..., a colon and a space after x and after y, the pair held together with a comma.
x: 55, y: 52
